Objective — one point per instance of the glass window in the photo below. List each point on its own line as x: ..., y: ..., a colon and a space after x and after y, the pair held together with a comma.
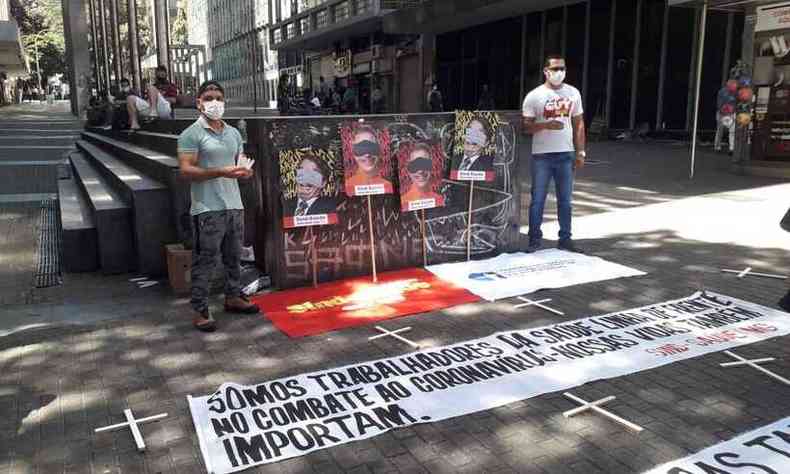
x: 574, y: 44
x: 676, y: 82
x: 554, y: 31
x: 625, y: 24
x: 649, y: 61
x: 712, y: 60
x: 341, y: 11
x: 322, y: 18
x: 533, y: 62
x: 599, y: 59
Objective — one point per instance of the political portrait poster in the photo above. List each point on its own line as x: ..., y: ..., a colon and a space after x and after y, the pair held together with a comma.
x: 420, y: 165
x: 367, y: 160
x: 309, y: 181
x: 474, y: 146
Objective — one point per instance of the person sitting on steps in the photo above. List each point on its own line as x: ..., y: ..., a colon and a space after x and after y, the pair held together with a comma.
x: 161, y: 98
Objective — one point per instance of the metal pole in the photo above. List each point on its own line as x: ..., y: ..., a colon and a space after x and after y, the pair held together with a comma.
x: 610, y: 71
x: 116, y: 42
x: 700, y: 50
x: 586, y: 64
x: 255, y: 71
x: 105, y: 47
x: 95, y: 45
x: 134, y: 49
x: 522, y: 89
x: 662, y: 70
x: 542, y: 41
x: 635, y: 66
x: 38, y: 67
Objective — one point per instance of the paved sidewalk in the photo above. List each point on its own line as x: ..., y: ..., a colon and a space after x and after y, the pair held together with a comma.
x: 104, y: 345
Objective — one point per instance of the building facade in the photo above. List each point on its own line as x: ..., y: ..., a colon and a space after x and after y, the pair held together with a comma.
x: 12, y: 54
x: 633, y: 59
x: 235, y: 34
x: 344, y: 42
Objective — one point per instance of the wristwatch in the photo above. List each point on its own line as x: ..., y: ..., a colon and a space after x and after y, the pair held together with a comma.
x: 582, y: 153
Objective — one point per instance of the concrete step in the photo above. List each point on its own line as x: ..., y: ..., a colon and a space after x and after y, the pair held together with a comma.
x: 160, y: 166
x: 80, y: 242
x: 162, y: 142
x: 152, y: 208
x: 112, y: 215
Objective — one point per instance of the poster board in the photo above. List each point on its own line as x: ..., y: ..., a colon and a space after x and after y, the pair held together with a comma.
x: 310, y: 186
x: 420, y: 170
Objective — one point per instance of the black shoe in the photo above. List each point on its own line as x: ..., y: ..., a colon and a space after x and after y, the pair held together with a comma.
x: 784, y: 303
x: 534, y: 246
x: 569, y: 246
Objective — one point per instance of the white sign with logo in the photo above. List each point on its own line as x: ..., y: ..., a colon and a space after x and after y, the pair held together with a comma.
x: 773, y: 17
x: 514, y: 274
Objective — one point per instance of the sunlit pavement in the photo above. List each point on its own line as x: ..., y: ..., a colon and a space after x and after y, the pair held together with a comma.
x: 100, y: 345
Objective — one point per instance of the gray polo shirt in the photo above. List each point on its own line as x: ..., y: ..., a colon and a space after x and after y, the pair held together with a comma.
x: 215, y: 150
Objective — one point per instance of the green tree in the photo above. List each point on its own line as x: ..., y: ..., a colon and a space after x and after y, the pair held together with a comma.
x: 41, y: 24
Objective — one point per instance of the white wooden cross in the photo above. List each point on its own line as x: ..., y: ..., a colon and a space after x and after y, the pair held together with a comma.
x: 132, y: 423
x: 748, y: 271
x: 539, y: 304
x: 753, y: 363
x: 596, y: 406
x: 394, y: 334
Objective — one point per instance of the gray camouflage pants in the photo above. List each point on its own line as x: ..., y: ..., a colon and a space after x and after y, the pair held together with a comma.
x: 216, y: 233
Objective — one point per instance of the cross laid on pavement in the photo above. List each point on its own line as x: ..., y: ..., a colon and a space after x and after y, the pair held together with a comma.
x: 753, y: 363
x: 395, y: 334
x: 596, y: 406
x: 539, y: 304
x: 133, y: 423
x: 748, y: 271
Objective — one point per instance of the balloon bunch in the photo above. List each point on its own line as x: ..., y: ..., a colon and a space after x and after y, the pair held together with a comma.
x: 745, y: 99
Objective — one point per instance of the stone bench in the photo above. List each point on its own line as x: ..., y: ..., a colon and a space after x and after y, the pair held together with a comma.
x: 112, y: 216
x: 153, y: 226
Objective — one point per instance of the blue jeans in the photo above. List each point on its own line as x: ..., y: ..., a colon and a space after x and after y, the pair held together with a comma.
x: 544, y: 167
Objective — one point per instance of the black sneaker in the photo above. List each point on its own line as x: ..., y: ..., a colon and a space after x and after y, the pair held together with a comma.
x: 534, y: 246
x: 569, y: 246
x: 784, y: 303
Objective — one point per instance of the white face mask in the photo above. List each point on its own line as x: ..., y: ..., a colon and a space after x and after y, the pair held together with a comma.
x: 214, y: 109
x: 555, y: 77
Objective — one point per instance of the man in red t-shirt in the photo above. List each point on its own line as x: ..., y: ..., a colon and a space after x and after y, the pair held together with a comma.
x: 161, y: 98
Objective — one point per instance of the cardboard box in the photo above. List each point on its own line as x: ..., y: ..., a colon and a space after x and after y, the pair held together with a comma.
x: 179, y: 268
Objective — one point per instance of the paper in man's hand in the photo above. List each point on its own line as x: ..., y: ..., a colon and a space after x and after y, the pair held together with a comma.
x: 245, y: 162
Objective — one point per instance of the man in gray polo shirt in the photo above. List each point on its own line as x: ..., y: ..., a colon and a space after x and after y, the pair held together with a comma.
x: 211, y: 156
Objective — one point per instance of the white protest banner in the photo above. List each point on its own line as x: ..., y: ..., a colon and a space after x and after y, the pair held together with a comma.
x: 241, y: 426
x: 514, y: 274
x: 766, y: 448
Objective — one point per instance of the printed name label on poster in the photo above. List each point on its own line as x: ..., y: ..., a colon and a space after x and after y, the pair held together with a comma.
x: 240, y: 426
x: 418, y: 204
x: 369, y: 189
x: 315, y: 219
x: 471, y: 175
